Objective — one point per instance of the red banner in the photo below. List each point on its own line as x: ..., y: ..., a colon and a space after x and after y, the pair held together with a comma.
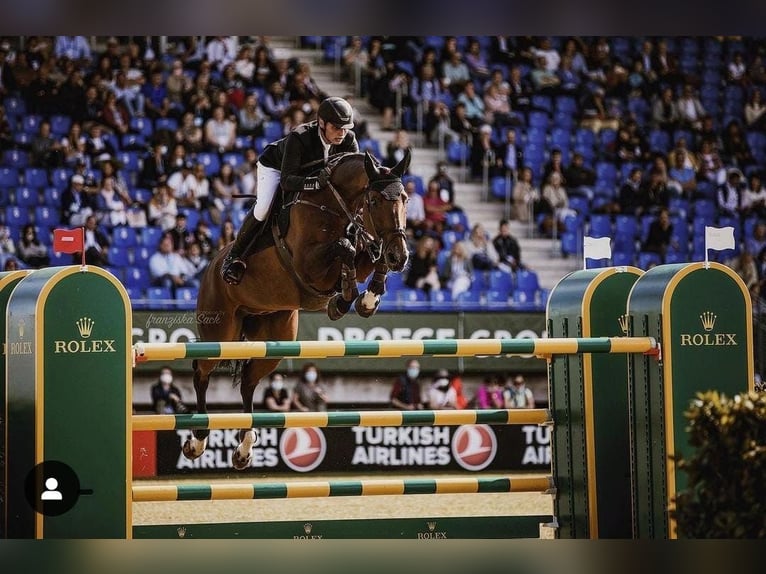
x: 68, y: 240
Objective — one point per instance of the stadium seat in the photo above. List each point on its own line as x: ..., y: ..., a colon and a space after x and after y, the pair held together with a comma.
x: 60, y: 124
x: 47, y: 216
x: 9, y: 177
x: 160, y: 298
x: 210, y: 161
x: 411, y: 299
x: 16, y: 216
x: 61, y: 177
x: 124, y: 236
x: 647, y: 259
x: 600, y: 226
x: 118, y: 256
x: 16, y: 158
x: 527, y: 280
x: 35, y: 177
x: 440, y: 300
x: 498, y: 299
x: 186, y: 298
x: 469, y: 301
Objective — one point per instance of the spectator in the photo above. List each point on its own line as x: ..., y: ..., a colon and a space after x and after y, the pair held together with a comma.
x: 228, y: 234
x: 654, y: 194
x: 477, y: 61
x: 595, y: 114
x: 355, y: 59
x: 484, y: 155
x: 511, y: 154
x: 96, y: 142
x: 195, y: 264
x: 182, y: 236
x: 481, y: 250
x: 276, y: 102
x: 46, y: 151
x: 579, y: 178
x: 682, y: 177
x: 555, y: 163
x: 96, y: 245
x: 728, y: 195
x: 457, y: 273
x: 265, y: 69
x: 526, y: 198
x: 251, y: 117
x: 74, y: 48
x: 220, y: 132
x: 446, y: 185
x: 629, y: 197
x: 690, y: 109
x: 189, y: 134
x: 517, y: 395
x: 204, y: 238
x: 474, y: 105
x: 755, y: 111
x: 115, y: 115
x: 736, y: 150
x: 436, y: 208
x: 156, y: 167
x: 455, y: 73
x: 441, y: 394
x: 406, y: 392
x: 309, y: 395
x: 166, y: 267
x: 77, y: 204
x: 163, y: 208
x: 416, y: 212
x: 113, y: 202
x: 555, y: 194
x: 276, y: 398
x: 660, y: 235
x: 490, y: 394
x: 754, y: 199
x: 507, y: 248
x: 423, y: 272
x: 397, y: 148
x: 31, y: 250
x: 166, y: 396
x: 224, y: 186
x: 7, y: 246
x: 520, y: 90
x: 11, y: 264
x: 744, y: 265
x: 195, y: 190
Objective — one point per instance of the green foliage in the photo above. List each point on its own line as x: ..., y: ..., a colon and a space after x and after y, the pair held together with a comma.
x: 726, y: 494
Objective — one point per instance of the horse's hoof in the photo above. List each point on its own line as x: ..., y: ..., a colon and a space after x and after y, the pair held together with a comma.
x: 241, y: 462
x: 366, y: 304
x: 190, y: 452
x: 337, y: 307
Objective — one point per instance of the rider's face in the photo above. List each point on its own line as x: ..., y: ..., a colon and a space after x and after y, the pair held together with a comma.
x: 334, y: 134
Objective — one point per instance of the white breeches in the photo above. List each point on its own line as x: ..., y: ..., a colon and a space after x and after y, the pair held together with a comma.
x: 268, y: 181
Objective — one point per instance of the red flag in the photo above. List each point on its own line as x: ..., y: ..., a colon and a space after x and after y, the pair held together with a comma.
x: 68, y: 240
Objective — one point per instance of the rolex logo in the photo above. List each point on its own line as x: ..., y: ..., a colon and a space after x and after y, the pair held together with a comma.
x: 708, y: 320
x: 85, y: 326
x: 181, y: 531
x: 307, y: 527
x: 624, y: 321
x: 21, y: 328
x: 431, y: 525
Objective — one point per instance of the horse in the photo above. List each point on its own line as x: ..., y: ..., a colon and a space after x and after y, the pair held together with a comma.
x: 337, y: 236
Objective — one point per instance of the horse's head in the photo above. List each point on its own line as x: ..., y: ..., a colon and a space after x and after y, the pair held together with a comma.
x: 386, y: 206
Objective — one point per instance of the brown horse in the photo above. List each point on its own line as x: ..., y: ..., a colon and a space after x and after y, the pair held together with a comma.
x: 339, y: 235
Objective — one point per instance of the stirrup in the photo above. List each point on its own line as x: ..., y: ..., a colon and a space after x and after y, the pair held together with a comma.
x: 233, y: 270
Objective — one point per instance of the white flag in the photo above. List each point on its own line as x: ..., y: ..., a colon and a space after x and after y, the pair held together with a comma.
x: 597, y: 248
x: 719, y: 238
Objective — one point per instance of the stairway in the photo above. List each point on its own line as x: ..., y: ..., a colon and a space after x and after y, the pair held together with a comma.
x: 540, y: 255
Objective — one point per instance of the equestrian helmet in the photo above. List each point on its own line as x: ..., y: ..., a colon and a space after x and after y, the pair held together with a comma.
x: 337, y: 111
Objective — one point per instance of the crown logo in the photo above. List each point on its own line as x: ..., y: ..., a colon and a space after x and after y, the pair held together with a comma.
x: 21, y: 328
x: 708, y: 320
x: 85, y: 326
x: 307, y: 527
x: 431, y: 525
x: 624, y: 321
x: 181, y: 530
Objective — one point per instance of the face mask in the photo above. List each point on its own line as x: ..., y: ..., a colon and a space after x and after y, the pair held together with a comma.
x: 277, y: 385
x: 311, y: 376
x: 413, y: 373
x: 442, y: 383
x: 166, y: 378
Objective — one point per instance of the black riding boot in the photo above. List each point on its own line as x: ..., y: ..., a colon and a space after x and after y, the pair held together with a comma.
x: 233, y: 268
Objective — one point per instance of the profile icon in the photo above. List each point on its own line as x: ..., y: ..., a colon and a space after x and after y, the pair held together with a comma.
x: 51, y: 491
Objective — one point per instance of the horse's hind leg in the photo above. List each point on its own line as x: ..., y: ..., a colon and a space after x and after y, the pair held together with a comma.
x: 196, y: 445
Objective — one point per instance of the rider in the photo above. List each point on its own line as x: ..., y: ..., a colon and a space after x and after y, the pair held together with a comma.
x: 284, y: 162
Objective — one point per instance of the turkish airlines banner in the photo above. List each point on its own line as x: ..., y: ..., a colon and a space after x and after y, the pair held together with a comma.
x: 362, y: 449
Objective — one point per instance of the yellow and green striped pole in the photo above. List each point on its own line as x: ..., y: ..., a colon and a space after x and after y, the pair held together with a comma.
x: 322, y: 489
x: 424, y: 347
x: 342, y: 419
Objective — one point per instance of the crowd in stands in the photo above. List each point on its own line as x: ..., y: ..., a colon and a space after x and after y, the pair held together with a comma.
x: 147, y: 141
x: 645, y: 140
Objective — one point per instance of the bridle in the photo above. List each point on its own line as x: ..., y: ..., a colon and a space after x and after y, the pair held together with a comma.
x: 373, y: 243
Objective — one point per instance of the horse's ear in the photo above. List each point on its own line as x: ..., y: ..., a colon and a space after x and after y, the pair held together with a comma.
x: 400, y: 168
x: 370, y: 166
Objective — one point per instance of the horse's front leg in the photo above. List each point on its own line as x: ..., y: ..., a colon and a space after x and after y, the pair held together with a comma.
x: 369, y: 301
x: 197, y: 443
x: 340, y: 304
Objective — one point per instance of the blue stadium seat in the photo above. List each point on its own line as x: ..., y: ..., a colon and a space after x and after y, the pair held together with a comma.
x: 124, y: 236
x: 440, y: 300
x: 16, y: 216
x: 186, y: 298
x: 500, y: 280
x: 135, y: 142
x: 600, y: 226
x: 141, y: 195
x: 647, y: 259
x: 272, y: 130
x: 622, y: 259
x: 30, y: 124
x: 9, y: 177
x: 160, y: 298
x: 15, y: 107
x: 417, y: 180
x: 166, y: 124
x: 524, y: 300
x: 234, y: 159
x: 570, y: 243
x: 498, y: 299
x: 118, y: 256
x: 47, y: 216
x: 60, y: 177
x: 580, y: 204
x: 16, y: 158
x: 458, y: 152
x: 129, y: 159
x: 60, y: 124
x: 458, y: 221
x: 411, y: 299
x: 469, y: 300
x: 210, y: 161
x: 142, y: 126
x: 499, y: 188
x: 137, y: 277
x: 527, y: 280
x: 35, y: 177
x: 142, y: 254
x: 52, y: 197
x: 150, y: 236
x: 372, y: 145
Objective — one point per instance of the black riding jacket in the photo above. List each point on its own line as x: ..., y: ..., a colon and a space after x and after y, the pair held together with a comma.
x: 302, y: 146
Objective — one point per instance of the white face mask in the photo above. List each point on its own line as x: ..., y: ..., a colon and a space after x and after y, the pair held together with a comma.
x: 311, y: 376
x: 413, y: 373
x: 166, y: 378
x: 277, y: 385
x: 442, y: 383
